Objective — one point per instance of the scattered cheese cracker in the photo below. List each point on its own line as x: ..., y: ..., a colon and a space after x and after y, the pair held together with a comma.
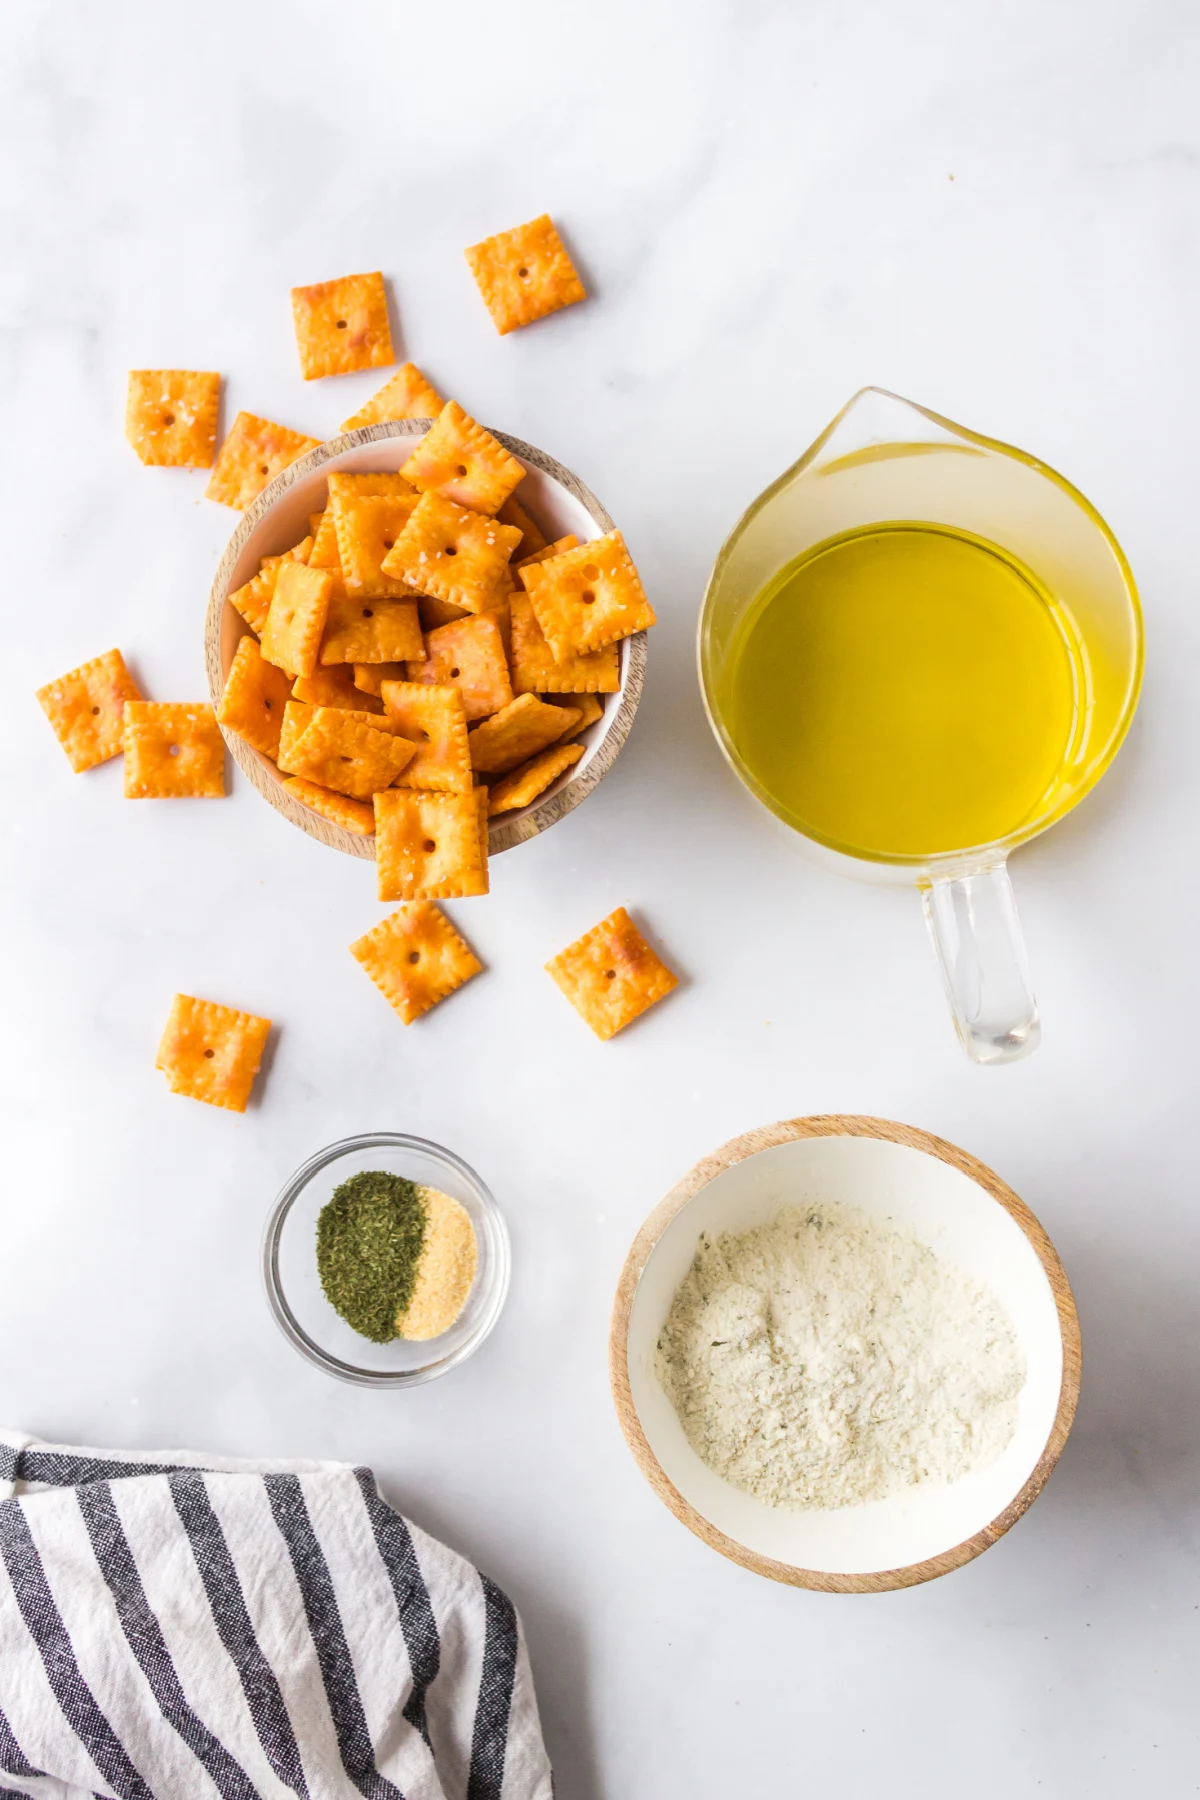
x: 87, y: 709
x: 433, y: 719
x: 611, y: 975
x: 357, y: 816
x: 453, y: 553
x: 371, y: 631
x: 462, y: 462
x: 339, y: 751
x: 415, y: 958
x: 588, y: 597
x: 172, y: 752
x: 210, y: 1052
x: 255, y: 451
x: 533, y: 538
x: 407, y: 395
x: 367, y: 528
x: 468, y: 654
x: 536, y: 669
x: 342, y: 325
x: 331, y: 685
x: 254, y: 698
x: 525, y: 273
x: 171, y: 416
x: 531, y: 779
x: 429, y: 846
x: 295, y: 624
x: 517, y: 732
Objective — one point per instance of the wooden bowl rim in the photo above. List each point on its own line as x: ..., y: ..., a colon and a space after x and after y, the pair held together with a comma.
x: 502, y: 834
x: 842, y: 1125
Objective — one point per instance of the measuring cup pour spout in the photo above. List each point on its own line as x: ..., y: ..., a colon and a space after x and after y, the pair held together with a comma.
x: 887, y: 469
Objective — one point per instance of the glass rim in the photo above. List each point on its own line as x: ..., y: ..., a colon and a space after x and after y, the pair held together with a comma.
x: 969, y: 856
x: 277, y: 1299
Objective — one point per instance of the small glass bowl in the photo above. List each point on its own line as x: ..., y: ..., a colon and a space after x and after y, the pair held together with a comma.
x: 294, y: 1288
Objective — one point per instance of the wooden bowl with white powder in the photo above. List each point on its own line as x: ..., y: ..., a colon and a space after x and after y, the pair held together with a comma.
x: 845, y: 1354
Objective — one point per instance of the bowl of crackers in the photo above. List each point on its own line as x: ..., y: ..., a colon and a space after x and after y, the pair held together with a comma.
x: 377, y: 658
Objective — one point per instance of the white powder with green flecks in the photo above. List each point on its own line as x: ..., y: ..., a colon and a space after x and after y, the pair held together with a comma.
x: 826, y: 1359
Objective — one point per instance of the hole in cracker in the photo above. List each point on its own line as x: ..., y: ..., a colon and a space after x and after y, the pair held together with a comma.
x: 451, y: 550
x: 267, y: 704
x: 367, y: 613
x: 389, y: 543
x: 587, y: 596
x: 414, y: 956
x: 590, y: 571
x: 95, y: 709
x: 461, y: 469
x: 523, y: 274
x: 341, y: 324
x: 429, y: 846
x: 210, y: 1054
x: 173, y: 749
x: 168, y: 418
x: 454, y: 674
x: 263, y: 469
x: 610, y: 974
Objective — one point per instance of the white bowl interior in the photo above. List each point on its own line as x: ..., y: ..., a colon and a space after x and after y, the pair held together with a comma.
x: 556, y: 509
x: 959, y: 1221
x: 300, y: 1284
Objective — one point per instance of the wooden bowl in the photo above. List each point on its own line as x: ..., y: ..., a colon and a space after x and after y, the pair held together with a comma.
x: 279, y: 518
x: 963, y: 1212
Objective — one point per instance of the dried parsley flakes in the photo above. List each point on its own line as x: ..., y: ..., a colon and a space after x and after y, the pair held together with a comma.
x: 369, y: 1241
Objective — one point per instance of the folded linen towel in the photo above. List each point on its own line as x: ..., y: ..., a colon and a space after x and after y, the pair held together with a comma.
x: 173, y: 1625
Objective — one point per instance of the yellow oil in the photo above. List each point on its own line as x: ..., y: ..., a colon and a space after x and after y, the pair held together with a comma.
x: 905, y: 689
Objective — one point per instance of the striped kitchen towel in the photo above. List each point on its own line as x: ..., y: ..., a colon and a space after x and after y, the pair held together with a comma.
x: 174, y: 1625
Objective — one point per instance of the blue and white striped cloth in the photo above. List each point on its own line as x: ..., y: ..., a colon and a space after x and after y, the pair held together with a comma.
x: 174, y: 1626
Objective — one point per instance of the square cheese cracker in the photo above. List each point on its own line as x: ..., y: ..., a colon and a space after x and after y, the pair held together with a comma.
x: 359, y: 631
x: 525, y: 273
x: 171, y: 416
x: 517, y: 732
x: 407, y: 395
x: 342, y: 325
x: 367, y: 528
x: 255, y: 451
x: 415, y: 958
x: 173, y: 752
x: 453, y: 553
x: 468, y: 654
x: 338, y: 751
x: 87, y: 709
x: 433, y: 719
x: 210, y: 1052
x: 254, y: 699
x: 295, y: 624
x: 588, y: 597
x: 430, y: 846
x: 462, y: 462
x: 611, y: 975
x: 533, y: 778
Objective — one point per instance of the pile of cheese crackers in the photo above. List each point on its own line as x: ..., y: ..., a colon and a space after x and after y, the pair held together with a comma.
x: 423, y: 660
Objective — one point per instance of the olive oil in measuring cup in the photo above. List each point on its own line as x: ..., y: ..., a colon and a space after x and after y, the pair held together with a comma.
x: 905, y: 689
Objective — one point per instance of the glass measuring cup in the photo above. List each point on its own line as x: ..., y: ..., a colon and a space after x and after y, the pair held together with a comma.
x: 884, y: 460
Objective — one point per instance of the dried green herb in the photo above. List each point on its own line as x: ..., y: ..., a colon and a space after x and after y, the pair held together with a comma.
x: 369, y: 1241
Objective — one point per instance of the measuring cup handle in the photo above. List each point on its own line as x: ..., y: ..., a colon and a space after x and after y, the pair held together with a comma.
x: 980, y: 949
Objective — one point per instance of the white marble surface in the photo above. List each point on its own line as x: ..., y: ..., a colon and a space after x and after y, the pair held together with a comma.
x: 990, y: 208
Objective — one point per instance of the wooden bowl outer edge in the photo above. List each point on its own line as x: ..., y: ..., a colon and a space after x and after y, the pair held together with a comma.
x: 512, y: 831
x: 842, y: 1125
